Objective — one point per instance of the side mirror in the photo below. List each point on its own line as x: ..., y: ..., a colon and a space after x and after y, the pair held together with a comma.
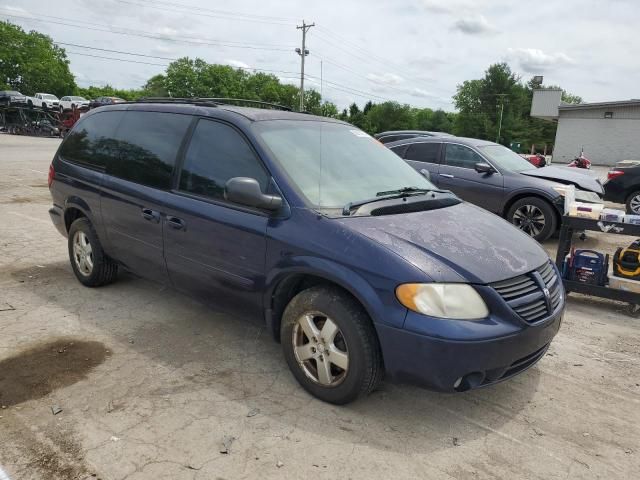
x: 426, y: 174
x: 246, y: 191
x: 482, y: 167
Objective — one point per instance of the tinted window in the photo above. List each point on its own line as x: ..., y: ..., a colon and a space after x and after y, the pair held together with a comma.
x: 461, y: 156
x: 399, y: 150
x: 148, y: 143
x: 423, y: 152
x: 91, y: 141
x: 217, y: 153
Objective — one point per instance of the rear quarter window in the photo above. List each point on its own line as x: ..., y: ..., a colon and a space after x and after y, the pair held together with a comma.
x: 91, y: 142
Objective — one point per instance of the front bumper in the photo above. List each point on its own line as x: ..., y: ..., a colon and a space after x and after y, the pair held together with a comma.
x: 453, y: 365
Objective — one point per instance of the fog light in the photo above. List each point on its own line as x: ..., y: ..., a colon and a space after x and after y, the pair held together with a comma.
x: 457, y: 382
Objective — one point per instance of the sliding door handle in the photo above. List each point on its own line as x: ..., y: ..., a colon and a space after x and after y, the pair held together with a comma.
x: 176, y: 223
x: 151, y: 215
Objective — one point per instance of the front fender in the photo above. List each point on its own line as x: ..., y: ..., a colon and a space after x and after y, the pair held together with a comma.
x: 379, y: 301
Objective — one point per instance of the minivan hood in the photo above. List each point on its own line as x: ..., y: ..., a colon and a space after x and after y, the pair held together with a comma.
x: 567, y: 175
x: 461, y: 243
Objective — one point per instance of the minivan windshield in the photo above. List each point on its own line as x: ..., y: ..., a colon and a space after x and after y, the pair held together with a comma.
x: 333, y: 164
x: 505, y: 159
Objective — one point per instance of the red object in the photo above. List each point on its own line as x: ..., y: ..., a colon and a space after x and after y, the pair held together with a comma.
x: 52, y: 175
x: 611, y: 174
x: 536, y: 160
x: 580, y: 162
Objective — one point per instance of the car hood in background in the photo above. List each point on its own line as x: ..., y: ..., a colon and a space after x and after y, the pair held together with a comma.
x: 569, y: 175
x: 454, y: 244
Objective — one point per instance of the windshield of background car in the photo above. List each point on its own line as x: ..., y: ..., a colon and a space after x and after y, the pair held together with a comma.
x: 505, y: 158
x: 12, y: 92
x: 79, y: 98
x: 333, y: 164
x: 50, y: 97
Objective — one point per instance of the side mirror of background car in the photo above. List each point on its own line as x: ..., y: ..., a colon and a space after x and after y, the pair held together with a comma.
x: 426, y: 174
x: 484, y: 168
x: 246, y: 191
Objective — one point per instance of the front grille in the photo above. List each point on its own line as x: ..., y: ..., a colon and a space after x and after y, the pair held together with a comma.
x: 526, y: 294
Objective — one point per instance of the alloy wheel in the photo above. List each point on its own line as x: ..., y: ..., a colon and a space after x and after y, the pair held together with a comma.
x: 634, y: 204
x: 320, y: 349
x: 529, y: 219
x: 83, y: 253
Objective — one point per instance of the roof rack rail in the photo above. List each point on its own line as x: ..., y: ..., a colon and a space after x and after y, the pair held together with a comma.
x: 241, y: 101
x: 213, y: 101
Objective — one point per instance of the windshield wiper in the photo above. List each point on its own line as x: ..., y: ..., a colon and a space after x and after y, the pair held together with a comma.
x: 390, y: 194
x: 403, y: 190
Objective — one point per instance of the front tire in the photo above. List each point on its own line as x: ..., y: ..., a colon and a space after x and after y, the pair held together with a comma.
x: 633, y: 203
x: 88, y: 261
x: 534, y: 216
x: 330, y: 345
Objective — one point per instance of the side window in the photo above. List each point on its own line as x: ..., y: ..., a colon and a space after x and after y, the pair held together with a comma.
x: 461, y: 156
x: 217, y: 152
x: 399, y: 150
x: 424, y: 152
x: 148, y: 144
x: 91, y: 141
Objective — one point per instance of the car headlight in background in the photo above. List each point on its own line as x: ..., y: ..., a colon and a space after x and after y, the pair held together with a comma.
x: 456, y: 301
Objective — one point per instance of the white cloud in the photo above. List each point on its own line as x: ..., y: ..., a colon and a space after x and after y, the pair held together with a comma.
x: 419, y: 92
x: 385, y: 78
x: 15, y: 10
x: 474, y: 25
x: 238, y: 64
x: 533, y: 60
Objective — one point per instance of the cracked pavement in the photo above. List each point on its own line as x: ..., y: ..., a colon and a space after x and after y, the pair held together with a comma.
x: 180, y: 379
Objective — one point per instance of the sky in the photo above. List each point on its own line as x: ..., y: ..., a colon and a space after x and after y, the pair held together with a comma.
x: 410, y: 51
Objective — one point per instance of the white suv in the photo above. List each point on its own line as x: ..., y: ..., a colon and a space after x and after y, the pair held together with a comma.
x: 44, y: 100
x: 68, y: 103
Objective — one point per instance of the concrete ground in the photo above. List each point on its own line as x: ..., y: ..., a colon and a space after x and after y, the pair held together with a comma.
x: 153, y: 385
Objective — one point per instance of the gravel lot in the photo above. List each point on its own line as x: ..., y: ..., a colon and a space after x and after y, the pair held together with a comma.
x: 151, y: 384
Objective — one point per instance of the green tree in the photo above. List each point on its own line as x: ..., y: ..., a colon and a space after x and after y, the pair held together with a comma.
x: 31, y: 62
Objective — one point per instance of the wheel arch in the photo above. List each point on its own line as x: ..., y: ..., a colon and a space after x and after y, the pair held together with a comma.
x: 75, y: 208
x: 287, y: 284
x: 527, y: 193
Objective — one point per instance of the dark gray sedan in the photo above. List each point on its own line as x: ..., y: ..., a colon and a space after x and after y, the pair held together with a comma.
x: 493, y: 177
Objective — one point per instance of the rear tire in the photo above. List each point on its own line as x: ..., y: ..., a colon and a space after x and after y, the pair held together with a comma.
x: 330, y: 345
x: 633, y: 203
x: 534, y: 216
x: 89, y: 262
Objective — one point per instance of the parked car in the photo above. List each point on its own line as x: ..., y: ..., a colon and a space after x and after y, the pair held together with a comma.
x: 44, y: 101
x: 72, y: 101
x: 12, y: 97
x: 494, y: 177
x: 395, y: 135
x: 356, y: 262
x: 623, y: 185
x: 101, y: 101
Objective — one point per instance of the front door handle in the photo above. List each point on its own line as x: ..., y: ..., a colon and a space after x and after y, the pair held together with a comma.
x: 446, y: 175
x: 175, y: 222
x: 151, y: 215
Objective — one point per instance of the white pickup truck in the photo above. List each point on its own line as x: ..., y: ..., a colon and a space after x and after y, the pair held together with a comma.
x: 46, y: 101
x: 67, y: 103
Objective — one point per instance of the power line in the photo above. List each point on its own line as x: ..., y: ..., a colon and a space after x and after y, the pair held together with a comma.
x: 210, y: 15
x: 158, y: 57
x: 139, y: 33
x: 119, y: 59
x: 224, y: 12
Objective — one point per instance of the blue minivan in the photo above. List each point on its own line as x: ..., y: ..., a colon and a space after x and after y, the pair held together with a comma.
x: 357, y: 264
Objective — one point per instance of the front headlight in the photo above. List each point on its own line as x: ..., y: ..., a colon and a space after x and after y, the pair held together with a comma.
x: 457, y: 301
x: 580, y: 195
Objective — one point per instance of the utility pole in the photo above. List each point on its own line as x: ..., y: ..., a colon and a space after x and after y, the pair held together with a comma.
x: 501, y: 97
x: 303, y: 52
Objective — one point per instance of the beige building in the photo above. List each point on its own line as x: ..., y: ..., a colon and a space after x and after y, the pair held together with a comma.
x: 608, y: 132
